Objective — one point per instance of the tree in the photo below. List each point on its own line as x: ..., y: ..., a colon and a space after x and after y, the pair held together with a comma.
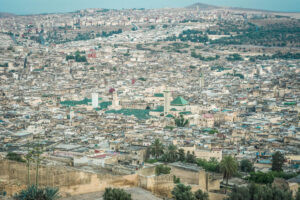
x: 162, y: 169
x: 157, y: 148
x: 181, y: 122
x: 176, y: 180
x: 260, y: 177
x: 190, y: 158
x: 200, y: 195
x: 181, y: 155
x: 116, y: 194
x: 37, y: 152
x: 246, y: 166
x: 259, y: 192
x: 182, y: 192
x: 239, y: 193
x: 277, y: 161
x: 15, y: 157
x: 212, y: 165
x: 28, y: 159
x: 33, y: 192
x: 171, y: 153
x: 228, y: 166
x: 298, y: 195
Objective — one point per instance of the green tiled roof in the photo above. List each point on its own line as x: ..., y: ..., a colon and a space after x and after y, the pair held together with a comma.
x: 85, y: 101
x: 159, y: 95
x: 173, y: 109
x: 158, y: 109
x: 139, y: 114
x: 105, y: 104
x: 179, y: 101
x: 290, y: 103
x: 170, y: 116
x: 185, y: 113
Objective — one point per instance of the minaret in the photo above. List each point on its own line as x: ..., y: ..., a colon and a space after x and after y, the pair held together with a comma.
x: 201, y: 81
x: 95, y: 102
x: 115, y: 101
x: 71, y: 116
x: 167, y: 95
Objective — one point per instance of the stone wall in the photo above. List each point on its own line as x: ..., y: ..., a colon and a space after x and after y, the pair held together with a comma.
x: 69, y: 180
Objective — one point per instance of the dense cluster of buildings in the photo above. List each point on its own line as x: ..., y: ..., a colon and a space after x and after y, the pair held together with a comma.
x: 103, y: 114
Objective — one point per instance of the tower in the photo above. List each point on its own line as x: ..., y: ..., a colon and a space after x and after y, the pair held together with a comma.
x: 115, y: 101
x: 167, y: 95
x: 71, y: 116
x: 201, y: 81
x: 95, y: 102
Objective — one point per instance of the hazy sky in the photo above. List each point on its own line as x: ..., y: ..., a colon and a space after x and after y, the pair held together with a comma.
x: 46, y: 6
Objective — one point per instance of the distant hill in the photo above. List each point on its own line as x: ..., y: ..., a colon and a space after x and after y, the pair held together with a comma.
x: 202, y: 6
x: 3, y: 15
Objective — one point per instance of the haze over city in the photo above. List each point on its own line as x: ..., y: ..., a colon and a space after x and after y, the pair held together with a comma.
x: 53, y: 6
x: 149, y: 100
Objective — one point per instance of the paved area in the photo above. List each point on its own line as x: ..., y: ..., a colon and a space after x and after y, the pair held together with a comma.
x: 136, y: 193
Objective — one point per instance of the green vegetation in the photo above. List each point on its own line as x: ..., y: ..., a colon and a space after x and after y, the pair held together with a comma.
x: 190, y: 157
x: 162, y: 169
x: 241, y: 76
x: 151, y: 161
x: 228, y: 167
x: 170, y: 155
x: 77, y: 57
x: 190, y: 35
x: 268, y: 178
x: 35, y: 193
x: 181, y: 122
x: 246, y: 166
x: 15, y: 157
x: 279, y: 34
x: 183, y: 192
x: 157, y: 148
x: 278, y: 55
x: 277, y: 161
x: 116, y: 194
x: 261, y: 192
x: 176, y: 180
x: 212, y: 165
x: 209, y: 58
x: 191, y: 20
x: 200, y: 195
x: 234, y: 57
x: 108, y: 34
x: 70, y: 57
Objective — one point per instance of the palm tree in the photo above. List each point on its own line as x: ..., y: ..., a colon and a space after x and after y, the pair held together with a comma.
x: 172, y: 153
x: 181, y: 122
x: 157, y: 148
x: 228, y: 166
x: 28, y: 159
x: 37, y: 155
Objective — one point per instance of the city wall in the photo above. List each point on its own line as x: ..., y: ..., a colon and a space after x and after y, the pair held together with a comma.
x: 13, y: 175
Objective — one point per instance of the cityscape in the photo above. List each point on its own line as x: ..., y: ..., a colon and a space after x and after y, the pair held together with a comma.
x: 194, y: 103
